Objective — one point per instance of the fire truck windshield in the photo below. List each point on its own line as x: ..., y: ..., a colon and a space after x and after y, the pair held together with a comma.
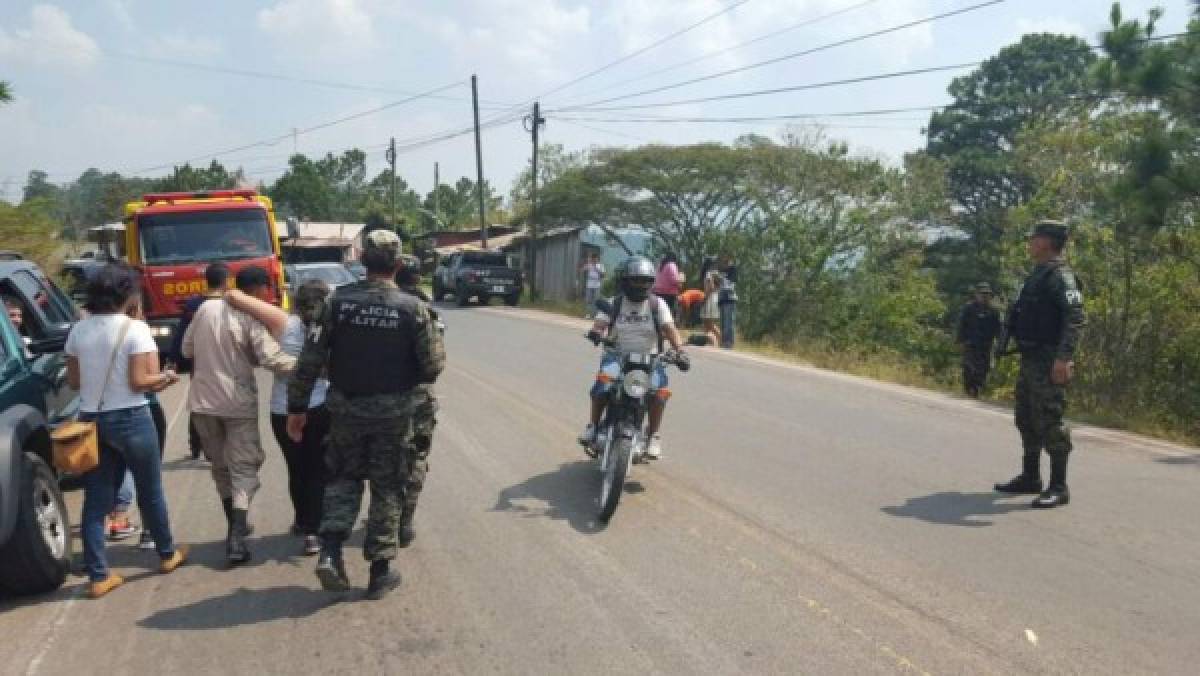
x: 169, y: 238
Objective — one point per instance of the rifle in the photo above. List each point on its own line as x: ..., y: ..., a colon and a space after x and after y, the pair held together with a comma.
x: 1004, y: 339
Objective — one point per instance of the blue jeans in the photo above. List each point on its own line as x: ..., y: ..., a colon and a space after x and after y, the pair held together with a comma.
x: 127, y: 441
x: 728, y: 324
x: 125, y: 494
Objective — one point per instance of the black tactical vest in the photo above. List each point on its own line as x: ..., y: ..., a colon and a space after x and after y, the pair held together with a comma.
x: 373, y: 335
x: 1038, y: 319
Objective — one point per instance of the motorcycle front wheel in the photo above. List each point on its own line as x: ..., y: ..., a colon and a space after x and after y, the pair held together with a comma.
x: 615, y: 469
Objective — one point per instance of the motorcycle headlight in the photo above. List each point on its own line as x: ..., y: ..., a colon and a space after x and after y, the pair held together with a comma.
x: 637, y: 384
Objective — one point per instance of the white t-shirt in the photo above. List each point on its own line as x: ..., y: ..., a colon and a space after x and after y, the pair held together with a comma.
x: 292, y: 342
x: 634, y: 329
x: 91, y: 342
x: 594, y: 273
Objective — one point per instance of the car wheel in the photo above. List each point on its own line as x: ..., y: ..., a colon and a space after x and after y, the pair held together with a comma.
x: 461, y: 296
x: 37, y: 556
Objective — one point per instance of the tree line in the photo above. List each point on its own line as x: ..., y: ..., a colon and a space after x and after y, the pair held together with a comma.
x: 329, y: 188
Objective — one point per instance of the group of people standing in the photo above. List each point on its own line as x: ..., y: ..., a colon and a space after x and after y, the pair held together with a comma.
x: 714, y: 303
x: 370, y: 418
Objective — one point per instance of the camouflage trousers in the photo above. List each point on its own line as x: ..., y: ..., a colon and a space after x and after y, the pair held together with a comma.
x: 424, y: 420
x: 375, y: 450
x: 976, y: 364
x: 1040, y: 407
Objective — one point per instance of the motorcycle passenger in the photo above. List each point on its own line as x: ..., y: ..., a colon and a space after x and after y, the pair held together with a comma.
x: 644, y: 321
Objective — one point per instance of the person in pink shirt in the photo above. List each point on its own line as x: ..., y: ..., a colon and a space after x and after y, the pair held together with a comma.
x: 669, y: 282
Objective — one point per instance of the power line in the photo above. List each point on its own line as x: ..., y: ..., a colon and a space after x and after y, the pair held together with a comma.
x: 761, y: 38
x: 627, y: 57
x: 816, y: 85
x: 657, y: 43
x: 611, y: 132
x: 781, y: 90
x: 796, y: 55
x: 761, y: 118
x: 324, y: 125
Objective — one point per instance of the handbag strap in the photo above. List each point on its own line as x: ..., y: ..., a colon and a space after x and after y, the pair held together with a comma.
x: 112, y: 362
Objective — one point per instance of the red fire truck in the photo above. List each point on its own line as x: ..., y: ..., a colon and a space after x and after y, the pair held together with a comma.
x: 172, y: 237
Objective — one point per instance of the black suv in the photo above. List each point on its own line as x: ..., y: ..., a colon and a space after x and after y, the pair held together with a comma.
x: 477, y: 274
x: 35, y: 532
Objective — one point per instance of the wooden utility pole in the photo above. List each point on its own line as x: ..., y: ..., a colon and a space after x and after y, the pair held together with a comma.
x: 533, y: 123
x: 483, y: 228
x: 391, y: 158
x: 437, y: 212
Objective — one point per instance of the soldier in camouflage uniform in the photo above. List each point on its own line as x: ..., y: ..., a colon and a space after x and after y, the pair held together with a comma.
x: 1045, y: 322
x: 424, y: 417
x: 378, y: 345
x: 978, y: 326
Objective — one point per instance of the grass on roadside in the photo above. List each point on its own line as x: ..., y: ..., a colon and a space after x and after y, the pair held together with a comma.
x: 894, y: 368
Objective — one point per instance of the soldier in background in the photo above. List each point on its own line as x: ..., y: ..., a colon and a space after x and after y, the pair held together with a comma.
x: 978, y: 326
x: 1045, y: 322
x: 424, y: 417
x: 378, y: 345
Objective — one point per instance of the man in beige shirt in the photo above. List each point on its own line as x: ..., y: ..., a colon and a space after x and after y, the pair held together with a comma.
x: 226, y: 344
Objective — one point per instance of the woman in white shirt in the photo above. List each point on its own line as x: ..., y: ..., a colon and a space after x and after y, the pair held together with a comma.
x: 113, y: 361
x: 306, y: 459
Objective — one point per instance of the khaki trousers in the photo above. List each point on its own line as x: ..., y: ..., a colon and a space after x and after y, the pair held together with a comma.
x: 235, y: 450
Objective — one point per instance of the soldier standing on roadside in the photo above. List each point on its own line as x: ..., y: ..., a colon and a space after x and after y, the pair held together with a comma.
x: 978, y: 326
x: 378, y: 345
x: 424, y: 416
x: 1045, y: 322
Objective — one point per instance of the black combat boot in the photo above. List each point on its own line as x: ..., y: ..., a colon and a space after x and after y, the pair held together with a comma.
x: 383, y: 580
x: 1029, y: 481
x: 235, y: 544
x: 407, y: 534
x: 227, y: 505
x: 331, y: 570
x: 1056, y: 494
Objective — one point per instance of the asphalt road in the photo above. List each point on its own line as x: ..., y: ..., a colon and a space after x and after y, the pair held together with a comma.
x: 801, y: 522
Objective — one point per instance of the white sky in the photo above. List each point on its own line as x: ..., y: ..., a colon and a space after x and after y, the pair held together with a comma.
x: 86, y: 96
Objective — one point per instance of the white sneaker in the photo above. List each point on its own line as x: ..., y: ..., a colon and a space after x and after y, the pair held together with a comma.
x: 654, y: 447
x: 589, y: 435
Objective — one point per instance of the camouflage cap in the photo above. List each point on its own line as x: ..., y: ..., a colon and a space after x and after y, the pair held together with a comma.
x: 381, y: 248
x: 1052, y: 229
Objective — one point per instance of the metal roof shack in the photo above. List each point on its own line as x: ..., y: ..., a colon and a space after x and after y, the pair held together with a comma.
x: 322, y: 242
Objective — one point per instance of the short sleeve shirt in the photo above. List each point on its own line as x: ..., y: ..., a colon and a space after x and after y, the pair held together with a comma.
x: 91, y: 342
x: 634, y: 328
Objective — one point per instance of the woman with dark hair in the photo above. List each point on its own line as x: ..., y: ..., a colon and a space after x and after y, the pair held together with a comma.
x: 113, y: 361
x: 305, y: 459
x: 669, y: 282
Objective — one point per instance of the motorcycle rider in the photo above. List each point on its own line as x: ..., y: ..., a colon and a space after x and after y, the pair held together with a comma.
x: 642, y: 323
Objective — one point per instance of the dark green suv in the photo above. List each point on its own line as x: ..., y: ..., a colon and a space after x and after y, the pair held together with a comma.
x: 35, y: 531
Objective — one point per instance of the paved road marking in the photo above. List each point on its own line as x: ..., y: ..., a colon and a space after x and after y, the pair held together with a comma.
x: 60, y: 618
x: 1031, y: 637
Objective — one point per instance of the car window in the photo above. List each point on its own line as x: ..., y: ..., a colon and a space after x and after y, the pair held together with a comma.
x: 48, y: 310
x: 482, y: 258
x: 62, y: 302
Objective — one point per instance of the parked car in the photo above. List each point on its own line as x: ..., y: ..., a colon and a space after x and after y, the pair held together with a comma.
x: 35, y: 529
x: 333, y: 274
x: 477, y: 274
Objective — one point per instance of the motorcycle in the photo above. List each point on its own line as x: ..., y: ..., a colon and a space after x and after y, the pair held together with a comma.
x: 620, y: 440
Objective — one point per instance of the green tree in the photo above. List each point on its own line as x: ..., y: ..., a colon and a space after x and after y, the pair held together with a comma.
x: 1041, y: 76
x: 187, y: 178
x: 5, y: 92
